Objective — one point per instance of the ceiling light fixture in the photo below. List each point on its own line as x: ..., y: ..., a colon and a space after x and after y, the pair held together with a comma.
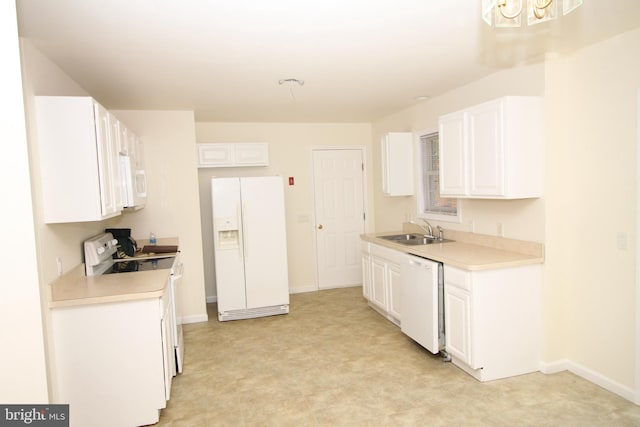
x: 291, y: 83
x: 507, y: 13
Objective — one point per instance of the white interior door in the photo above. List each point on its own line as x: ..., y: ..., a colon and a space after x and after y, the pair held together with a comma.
x: 339, y: 212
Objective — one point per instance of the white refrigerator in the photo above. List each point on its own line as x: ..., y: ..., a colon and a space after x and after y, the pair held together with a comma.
x: 250, y: 247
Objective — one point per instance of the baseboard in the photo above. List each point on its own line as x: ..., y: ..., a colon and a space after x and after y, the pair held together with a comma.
x: 303, y: 289
x: 195, y: 319
x: 554, y: 367
x: 357, y: 285
x: 591, y: 376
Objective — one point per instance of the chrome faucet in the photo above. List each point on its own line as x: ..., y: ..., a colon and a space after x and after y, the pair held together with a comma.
x: 428, y: 231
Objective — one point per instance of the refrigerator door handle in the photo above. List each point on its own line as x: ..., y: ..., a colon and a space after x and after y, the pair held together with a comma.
x: 245, y: 233
x: 240, y: 235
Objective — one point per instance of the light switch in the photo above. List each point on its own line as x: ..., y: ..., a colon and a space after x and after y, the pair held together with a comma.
x: 621, y: 240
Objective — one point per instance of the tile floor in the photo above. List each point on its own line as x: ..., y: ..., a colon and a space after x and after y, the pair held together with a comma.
x: 333, y: 361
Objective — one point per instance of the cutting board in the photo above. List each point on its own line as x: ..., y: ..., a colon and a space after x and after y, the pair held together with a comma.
x: 159, y: 249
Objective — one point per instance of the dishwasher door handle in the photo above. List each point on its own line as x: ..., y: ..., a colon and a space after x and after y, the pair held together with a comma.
x: 419, y: 264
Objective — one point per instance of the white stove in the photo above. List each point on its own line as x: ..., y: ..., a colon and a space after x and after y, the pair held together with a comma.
x: 98, y: 255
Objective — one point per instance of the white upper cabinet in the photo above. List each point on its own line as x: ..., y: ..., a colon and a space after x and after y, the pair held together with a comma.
x: 493, y: 150
x: 134, y: 179
x: 221, y: 155
x: 397, y: 164
x: 78, y: 160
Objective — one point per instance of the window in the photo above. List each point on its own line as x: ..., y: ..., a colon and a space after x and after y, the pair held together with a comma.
x: 430, y: 204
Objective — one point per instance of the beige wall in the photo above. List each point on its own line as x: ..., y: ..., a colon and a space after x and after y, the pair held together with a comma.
x: 290, y: 147
x: 173, y: 198
x: 22, y: 359
x: 589, y: 290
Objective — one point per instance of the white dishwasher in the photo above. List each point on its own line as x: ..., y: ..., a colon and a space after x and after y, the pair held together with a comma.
x: 421, y: 302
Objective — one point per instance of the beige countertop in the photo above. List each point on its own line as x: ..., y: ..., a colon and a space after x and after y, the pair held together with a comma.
x: 469, y: 251
x: 75, y: 288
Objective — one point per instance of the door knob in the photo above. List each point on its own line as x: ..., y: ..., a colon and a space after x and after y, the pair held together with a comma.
x: 320, y: 227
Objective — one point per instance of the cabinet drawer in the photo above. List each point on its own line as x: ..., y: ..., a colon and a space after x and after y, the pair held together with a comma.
x: 456, y: 277
x: 386, y: 253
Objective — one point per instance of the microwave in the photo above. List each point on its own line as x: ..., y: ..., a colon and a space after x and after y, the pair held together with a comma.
x: 134, y: 184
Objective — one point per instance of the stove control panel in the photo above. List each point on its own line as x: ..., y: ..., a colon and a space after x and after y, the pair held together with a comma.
x: 99, y: 250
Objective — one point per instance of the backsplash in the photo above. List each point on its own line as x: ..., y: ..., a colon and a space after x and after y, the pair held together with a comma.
x: 502, y: 243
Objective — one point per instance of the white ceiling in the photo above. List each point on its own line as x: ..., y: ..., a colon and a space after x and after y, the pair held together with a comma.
x: 360, y: 60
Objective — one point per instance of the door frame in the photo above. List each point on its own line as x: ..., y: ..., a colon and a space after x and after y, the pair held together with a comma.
x: 365, y: 199
x: 637, y: 278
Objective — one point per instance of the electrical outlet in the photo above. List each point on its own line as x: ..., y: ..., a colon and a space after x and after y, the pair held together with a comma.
x: 621, y: 241
x: 59, y: 265
x: 500, y: 229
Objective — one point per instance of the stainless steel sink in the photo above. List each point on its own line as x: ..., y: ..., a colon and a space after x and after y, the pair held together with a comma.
x: 413, y: 239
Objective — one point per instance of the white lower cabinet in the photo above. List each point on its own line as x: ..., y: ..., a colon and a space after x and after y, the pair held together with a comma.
x: 114, y: 362
x: 381, y: 279
x: 491, y: 317
x: 492, y: 320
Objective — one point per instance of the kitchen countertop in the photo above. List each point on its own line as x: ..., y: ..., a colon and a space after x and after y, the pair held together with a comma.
x: 75, y: 288
x: 469, y: 251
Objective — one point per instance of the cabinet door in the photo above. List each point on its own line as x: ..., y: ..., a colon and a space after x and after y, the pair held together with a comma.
x: 393, y: 282
x: 366, y: 274
x: 137, y: 146
x: 117, y: 143
x: 378, y: 283
x: 457, y: 312
x: 452, y: 135
x: 397, y: 164
x: 216, y: 155
x: 252, y: 154
x: 486, y: 149
x: 108, y: 201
